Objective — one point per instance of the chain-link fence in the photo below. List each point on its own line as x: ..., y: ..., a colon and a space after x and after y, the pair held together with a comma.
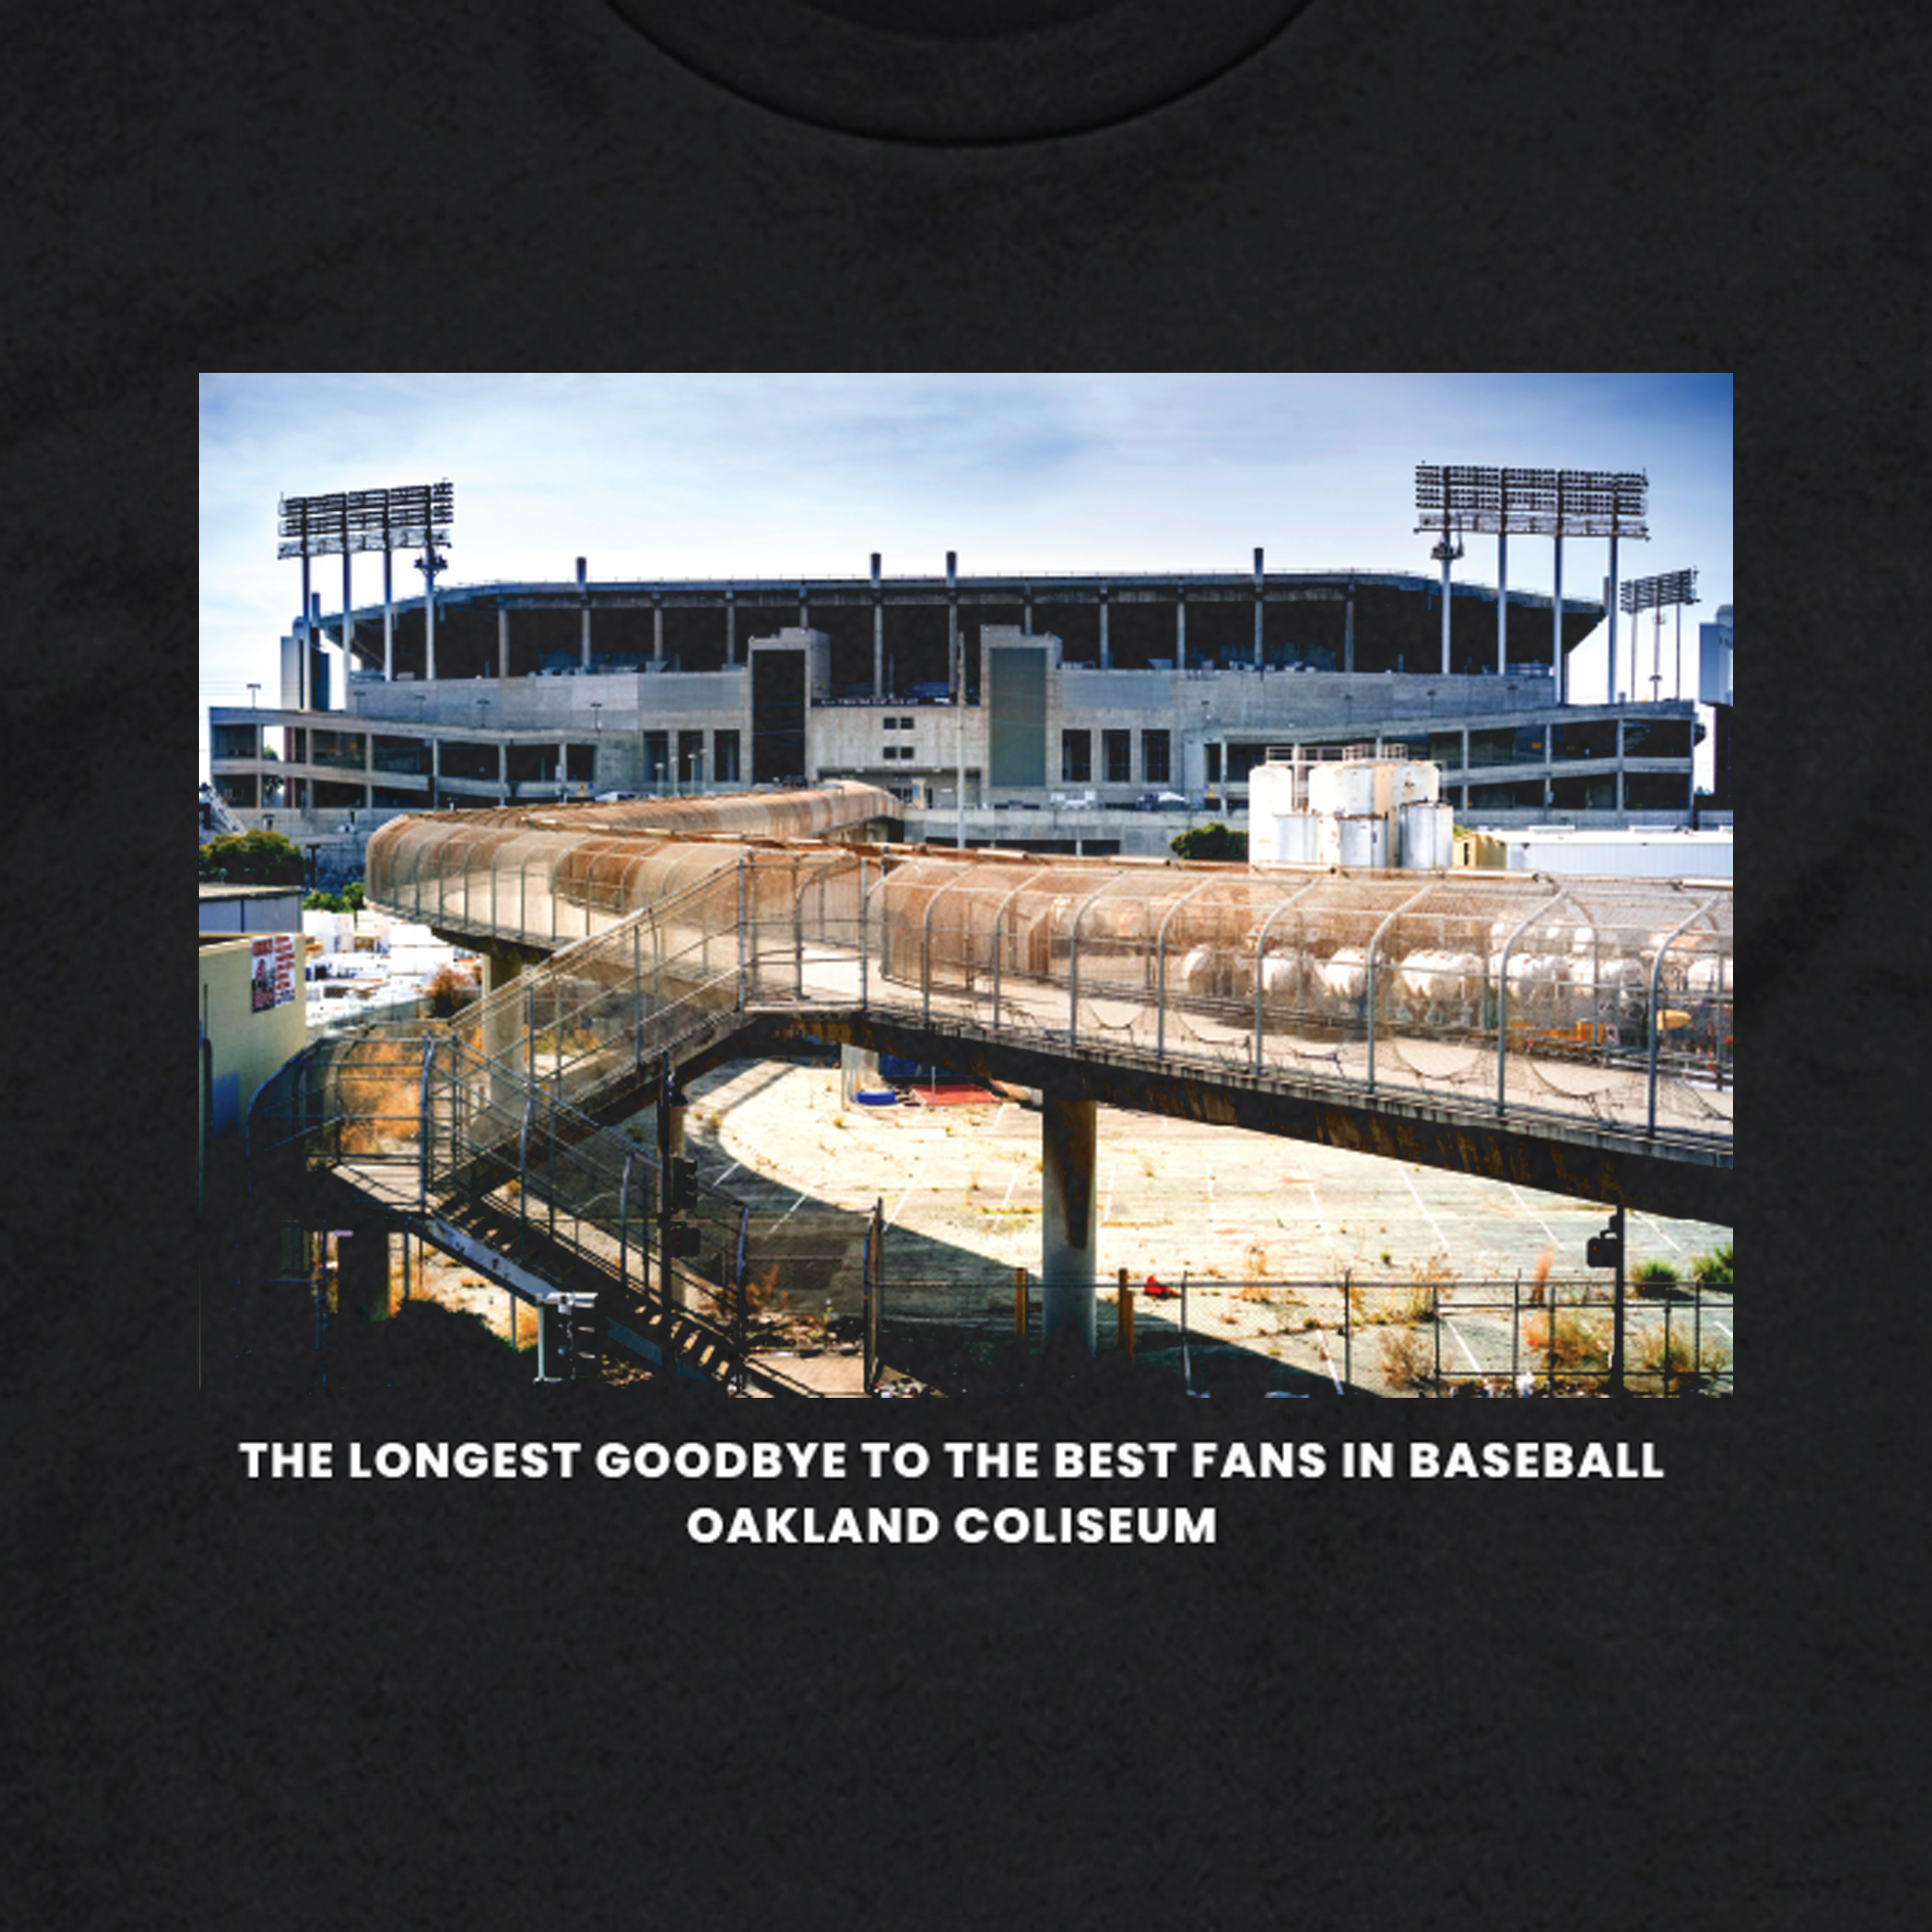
x: 1424, y: 1337
x: 1508, y: 996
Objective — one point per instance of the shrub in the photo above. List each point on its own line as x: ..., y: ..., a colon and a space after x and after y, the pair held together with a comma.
x: 1655, y: 1273
x: 253, y: 859
x: 1213, y: 840
x: 1713, y: 1271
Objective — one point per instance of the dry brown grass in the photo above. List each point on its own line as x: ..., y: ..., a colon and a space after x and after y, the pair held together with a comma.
x: 1540, y: 1279
x: 1673, y: 1366
x: 1583, y: 1347
x: 1408, y: 1360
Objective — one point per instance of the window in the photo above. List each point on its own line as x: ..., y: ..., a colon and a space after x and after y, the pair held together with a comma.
x: 1586, y: 738
x: 1076, y: 756
x: 1154, y: 757
x: 1657, y: 738
x: 1118, y: 748
x: 891, y: 724
x: 724, y: 752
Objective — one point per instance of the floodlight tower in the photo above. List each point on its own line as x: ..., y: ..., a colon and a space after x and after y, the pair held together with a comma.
x: 384, y: 520
x: 1440, y: 500
x: 1654, y: 593
x: 1609, y: 504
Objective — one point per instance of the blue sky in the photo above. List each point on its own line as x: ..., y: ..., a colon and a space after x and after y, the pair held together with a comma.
x: 717, y: 476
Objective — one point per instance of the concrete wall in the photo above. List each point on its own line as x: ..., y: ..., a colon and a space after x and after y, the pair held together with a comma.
x: 241, y: 1047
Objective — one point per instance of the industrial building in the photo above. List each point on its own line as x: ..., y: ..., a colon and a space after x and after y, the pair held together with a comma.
x: 1091, y: 713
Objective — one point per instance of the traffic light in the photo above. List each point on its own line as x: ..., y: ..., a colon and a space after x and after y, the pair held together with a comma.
x: 681, y: 1240
x: 680, y: 1185
x: 1604, y: 1250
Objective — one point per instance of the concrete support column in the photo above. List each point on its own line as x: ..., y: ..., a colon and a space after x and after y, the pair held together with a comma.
x: 951, y: 618
x: 656, y: 626
x: 388, y: 624
x: 1181, y: 627
x: 1106, y: 656
x: 303, y: 643
x: 1348, y: 630
x: 1502, y: 602
x: 804, y: 610
x: 1070, y: 1223
x: 878, y: 634
x: 583, y: 601
x: 1558, y: 669
x: 1445, y: 603
x: 730, y: 627
x: 1611, y: 613
x: 499, y: 969
x: 1258, y: 606
x: 504, y: 641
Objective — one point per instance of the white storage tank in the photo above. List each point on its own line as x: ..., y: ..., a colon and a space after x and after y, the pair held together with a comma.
x: 1425, y: 835
x: 1363, y: 839
x: 1298, y: 839
x: 1343, y: 788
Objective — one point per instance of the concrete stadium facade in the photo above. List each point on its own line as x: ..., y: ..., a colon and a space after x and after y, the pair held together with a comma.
x: 1086, y: 698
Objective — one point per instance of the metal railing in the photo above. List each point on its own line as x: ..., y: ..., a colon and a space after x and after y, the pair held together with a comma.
x: 1332, y: 1334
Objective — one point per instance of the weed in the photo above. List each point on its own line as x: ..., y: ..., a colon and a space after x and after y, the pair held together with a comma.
x: 1539, y: 1281
x: 1655, y: 1273
x: 1407, y: 1361
x: 1583, y: 1347
x: 1417, y: 1302
x: 764, y: 1300
x: 1672, y: 1365
x: 1386, y: 1258
x: 1254, y: 1274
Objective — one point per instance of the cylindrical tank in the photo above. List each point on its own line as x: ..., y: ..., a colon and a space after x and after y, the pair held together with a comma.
x: 1426, y: 836
x: 1345, y: 787
x: 1363, y: 839
x: 1297, y: 837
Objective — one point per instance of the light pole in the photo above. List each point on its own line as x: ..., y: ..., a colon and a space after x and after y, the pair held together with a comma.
x: 252, y: 690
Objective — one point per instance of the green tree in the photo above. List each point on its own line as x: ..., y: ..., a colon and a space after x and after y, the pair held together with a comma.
x: 253, y: 859
x: 1209, y: 841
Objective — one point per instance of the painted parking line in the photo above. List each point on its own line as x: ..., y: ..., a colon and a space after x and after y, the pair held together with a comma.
x: 802, y: 1192
x: 1662, y: 1233
x: 1334, y: 1372
x: 918, y: 1168
x: 1460, y: 1344
x: 1534, y: 1215
x: 1426, y: 1214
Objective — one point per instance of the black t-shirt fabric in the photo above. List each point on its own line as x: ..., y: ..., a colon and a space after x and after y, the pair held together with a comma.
x: 1365, y: 1708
